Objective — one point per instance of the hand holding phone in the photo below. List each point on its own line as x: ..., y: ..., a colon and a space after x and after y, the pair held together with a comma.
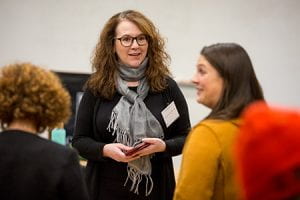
x: 137, y: 148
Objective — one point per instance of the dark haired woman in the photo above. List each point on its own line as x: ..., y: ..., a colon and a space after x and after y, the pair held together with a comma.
x: 226, y: 83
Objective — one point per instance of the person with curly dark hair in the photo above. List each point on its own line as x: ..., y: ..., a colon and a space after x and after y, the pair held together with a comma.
x: 33, y: 100
x: 131, y: 100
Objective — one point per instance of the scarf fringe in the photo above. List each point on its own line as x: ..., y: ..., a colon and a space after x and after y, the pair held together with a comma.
x: 122, y: 136
x: 112, y: 125
x: 136, y: 177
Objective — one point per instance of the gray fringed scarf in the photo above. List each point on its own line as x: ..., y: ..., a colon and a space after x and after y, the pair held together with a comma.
x: 131, y: 121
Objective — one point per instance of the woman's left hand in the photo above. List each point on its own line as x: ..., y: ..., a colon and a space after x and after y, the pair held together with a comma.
x: 156, y: 145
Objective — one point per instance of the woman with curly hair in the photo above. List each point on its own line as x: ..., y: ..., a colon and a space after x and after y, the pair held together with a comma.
x: 130, y: 100
x: 32, y: 100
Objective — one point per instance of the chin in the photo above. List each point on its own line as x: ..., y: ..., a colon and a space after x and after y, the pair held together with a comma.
x: 199, y: 101
x: 135, y: 64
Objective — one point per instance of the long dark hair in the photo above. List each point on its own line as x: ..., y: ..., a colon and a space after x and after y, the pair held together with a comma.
x: 241, y: 86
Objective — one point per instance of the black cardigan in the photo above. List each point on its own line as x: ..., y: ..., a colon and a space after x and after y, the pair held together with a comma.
x: 35, y: 168
x: 91, y: 135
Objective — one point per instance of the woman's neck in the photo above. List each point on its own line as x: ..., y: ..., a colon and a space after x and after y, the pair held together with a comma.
x: 132, y: 83
x: 23, y: 125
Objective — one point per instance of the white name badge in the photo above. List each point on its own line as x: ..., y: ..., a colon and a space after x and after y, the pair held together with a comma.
x: 170, y: 114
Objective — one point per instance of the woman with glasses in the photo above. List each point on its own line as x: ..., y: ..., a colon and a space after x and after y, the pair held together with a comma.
x: 132, y: 117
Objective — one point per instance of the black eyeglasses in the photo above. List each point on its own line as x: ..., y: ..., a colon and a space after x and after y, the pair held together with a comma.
x: 127, y: 40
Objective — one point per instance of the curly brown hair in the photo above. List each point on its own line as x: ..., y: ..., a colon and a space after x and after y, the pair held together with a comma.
x: 28, y: 92
x: 104, y: 60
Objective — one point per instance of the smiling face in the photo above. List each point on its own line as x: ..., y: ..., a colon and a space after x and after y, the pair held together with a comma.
x: 208, y: 82
x: 133, y: 55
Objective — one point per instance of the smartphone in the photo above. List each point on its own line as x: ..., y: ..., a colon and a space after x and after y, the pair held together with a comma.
x: 137, y: 148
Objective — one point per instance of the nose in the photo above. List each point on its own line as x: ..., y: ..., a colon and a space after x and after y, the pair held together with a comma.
x: 134, y: 43
x: 195, y: 79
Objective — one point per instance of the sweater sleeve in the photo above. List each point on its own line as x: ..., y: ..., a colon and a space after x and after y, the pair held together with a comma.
x: 199, y: 165
x: 83, y: 136
x: 181, y: 127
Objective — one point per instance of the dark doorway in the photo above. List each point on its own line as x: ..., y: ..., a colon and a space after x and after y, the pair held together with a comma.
x: 74, y: 83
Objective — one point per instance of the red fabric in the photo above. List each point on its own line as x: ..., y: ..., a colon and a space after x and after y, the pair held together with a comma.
x: 268, y: 153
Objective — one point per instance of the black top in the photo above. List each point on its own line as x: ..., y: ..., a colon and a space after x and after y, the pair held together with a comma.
x: 105, y: 176
x: 35, y: 168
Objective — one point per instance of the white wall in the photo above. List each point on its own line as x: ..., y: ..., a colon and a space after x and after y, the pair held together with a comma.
x: 61, y: 35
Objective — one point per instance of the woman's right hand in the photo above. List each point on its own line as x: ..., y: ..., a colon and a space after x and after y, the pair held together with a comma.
x: 116, y: 151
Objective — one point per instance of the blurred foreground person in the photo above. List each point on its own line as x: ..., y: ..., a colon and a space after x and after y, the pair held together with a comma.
x: 31, y: 101
x: 268, y: 153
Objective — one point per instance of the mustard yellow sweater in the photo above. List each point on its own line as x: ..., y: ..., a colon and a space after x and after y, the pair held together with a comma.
x: 206, y: 169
